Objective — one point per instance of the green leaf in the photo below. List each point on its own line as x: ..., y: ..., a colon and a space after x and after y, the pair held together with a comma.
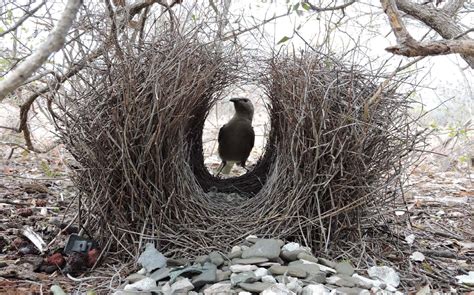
x: 283, y: 40
x: 194, y: 17
x: 306, y: 6
x: 296, y: 6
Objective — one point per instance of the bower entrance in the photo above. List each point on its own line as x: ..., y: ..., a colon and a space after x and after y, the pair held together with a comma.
x: 136, y: 129
x: 220, y: 113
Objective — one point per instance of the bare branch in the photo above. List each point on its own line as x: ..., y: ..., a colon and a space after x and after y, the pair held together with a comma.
x: 441, y: 20
x: 408, y: 46
x: 22, y: 19
x: 337, y: 7
x: 53, y: 43
x: 442, y: 47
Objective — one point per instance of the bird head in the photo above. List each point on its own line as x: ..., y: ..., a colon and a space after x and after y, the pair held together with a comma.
x: 243, y: 107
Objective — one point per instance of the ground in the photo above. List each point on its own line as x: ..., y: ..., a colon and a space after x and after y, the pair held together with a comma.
x: 435, y: 219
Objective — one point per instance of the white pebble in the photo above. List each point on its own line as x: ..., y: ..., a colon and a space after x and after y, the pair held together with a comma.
x: 291, y: 247
x: 260, y: 272
x: 268, y: 279
x: 242, y: 267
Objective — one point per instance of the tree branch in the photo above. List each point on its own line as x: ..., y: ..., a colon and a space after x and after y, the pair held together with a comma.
x: 337, y: 7
x: 441, y: 20
x: 23, y: 18
x: 53, y: 43
x: 408, y: 46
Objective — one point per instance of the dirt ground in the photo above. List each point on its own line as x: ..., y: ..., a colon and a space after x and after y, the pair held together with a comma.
x: 35, y: 191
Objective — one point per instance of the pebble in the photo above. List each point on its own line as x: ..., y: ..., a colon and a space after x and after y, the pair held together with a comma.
x: 151, y: 258
x: 135, y: 277
x: 345, y: 268
x: 222, y: 275
x: 243, y: 277
x: 209, y: 275
x: 292, y: 246
x: 268, y: 267
x: 268, y: 279
x: 242, y: 267
x: 291, y: 255
x: 327, y: 262
x: 307, y: 257
x: 250, y: 260
x: 160, y: 274
x: 260, y: 272
x: 145, y: 284
x: 218, y: 288
x: 317, y: 289
x: 384, y: 273
x: 289, y: 270
x: 216, y: 258
x: 278, y: 289
x: 255, y: 287
x: 268, y: 248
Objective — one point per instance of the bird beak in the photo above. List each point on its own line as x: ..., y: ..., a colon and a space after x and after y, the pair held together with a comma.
x: 234, y: 99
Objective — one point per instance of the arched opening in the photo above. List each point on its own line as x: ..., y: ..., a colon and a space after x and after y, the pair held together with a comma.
x: 220, y: 113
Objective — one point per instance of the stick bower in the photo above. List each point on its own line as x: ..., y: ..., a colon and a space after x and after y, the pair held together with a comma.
x: 135, y: 128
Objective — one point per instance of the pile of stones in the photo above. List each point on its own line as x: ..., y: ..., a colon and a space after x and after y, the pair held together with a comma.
x: 258, y: 266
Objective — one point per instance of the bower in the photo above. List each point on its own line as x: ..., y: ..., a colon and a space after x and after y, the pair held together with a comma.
x: 334, y: 153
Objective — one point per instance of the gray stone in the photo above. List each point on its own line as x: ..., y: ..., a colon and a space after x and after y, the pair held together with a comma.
x: 291, y: 255
x: 250, y: 260
x: 223, y: 275
x: 182, y: 286
x: 268, y: 279
x: 316, y: 289
x: 243, y: 277
x: 350, y: 291
x: 236, y: 254
x: 327, y: 262
x: 151, y: 258
x: 142, y: 285
x: 242, y: 267
x: 201, y: 259
x: 345, y: 268
x: 289, y: 270
x: 292, y: 246
x: 209, y: 275
x: 260, y: 272
x: 187, y: 271
x: 268, y: 248
x: 134, y: 277
x: 307, y: 257
x: 216, y: 258
x: 340, y: 281
x: 235, y: 249
x: 252, y: 239
x: 278, y: 289
x: 319, y: 278
x: 256, y: 287
x: 219, y: 288
x: 160, y: 274
x: 384, y: 273
x: 308, y: 268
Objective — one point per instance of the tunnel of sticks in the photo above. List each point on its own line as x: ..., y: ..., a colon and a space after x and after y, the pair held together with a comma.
x: 134, y: 124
